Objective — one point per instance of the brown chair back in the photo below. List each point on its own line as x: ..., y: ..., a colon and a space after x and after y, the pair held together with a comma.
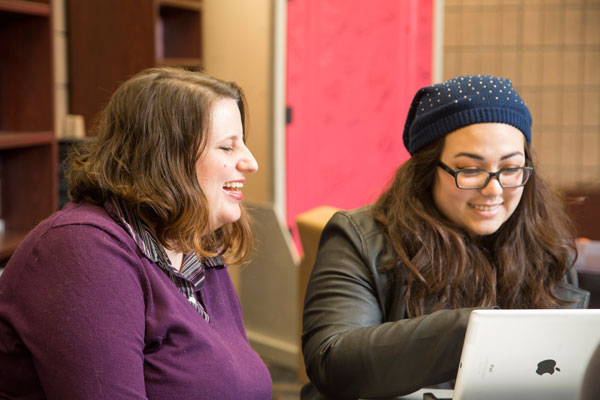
x: 310, y: 224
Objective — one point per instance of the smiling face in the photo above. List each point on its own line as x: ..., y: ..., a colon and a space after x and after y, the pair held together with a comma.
x: 489, y: 146
x: 224, y: 163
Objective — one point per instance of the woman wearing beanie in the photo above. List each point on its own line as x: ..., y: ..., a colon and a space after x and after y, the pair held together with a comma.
x: 466, y: 223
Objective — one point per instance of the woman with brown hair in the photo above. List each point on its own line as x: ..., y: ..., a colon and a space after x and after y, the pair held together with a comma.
x: 124, y: 293
x: 465, y: 224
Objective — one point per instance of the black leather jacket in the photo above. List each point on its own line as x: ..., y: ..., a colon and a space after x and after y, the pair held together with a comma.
x: 356, y: 340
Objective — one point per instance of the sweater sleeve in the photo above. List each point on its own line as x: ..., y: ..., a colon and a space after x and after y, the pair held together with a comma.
x: 78, y: 306
x: 349, y: 349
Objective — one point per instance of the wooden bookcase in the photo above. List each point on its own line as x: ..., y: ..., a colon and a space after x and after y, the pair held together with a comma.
x: 111, y: 40
x: 28, y: 148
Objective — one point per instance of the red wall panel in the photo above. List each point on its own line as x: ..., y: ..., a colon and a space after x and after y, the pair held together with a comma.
x: 352, y: 68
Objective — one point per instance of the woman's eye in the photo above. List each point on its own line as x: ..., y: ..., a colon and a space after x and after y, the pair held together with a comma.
x: 227, y: 148
x: 470, y: 171
x: 511, y: 171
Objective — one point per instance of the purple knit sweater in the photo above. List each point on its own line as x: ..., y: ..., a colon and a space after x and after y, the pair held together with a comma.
x: 83, y: 315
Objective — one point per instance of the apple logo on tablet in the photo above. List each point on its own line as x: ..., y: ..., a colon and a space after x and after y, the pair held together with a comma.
x: 546, y: 366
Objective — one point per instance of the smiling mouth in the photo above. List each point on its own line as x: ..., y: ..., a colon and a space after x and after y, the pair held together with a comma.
x: 233, y: 185
x: 233, y: 189
x: 480, y: 207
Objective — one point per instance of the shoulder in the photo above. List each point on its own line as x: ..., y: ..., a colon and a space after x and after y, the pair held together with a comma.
x: 359, y: 220
x: 79, y: 239
x: 82, y: 214
x: 573, y: 296
x: 358, y: 229
x: 79, y: 255
x: 82, y: 223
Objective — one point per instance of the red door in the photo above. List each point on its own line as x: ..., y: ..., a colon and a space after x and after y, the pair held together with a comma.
x: 352, y: 68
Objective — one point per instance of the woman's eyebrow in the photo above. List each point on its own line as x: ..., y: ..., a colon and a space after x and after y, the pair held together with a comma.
x: 233, y: 137
x: 509, y: 155
x: 470, y: 155
x: 480, y: 158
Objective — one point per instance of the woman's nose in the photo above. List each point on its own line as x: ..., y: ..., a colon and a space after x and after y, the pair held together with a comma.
x: 493, y: 188
x: 248, y: 163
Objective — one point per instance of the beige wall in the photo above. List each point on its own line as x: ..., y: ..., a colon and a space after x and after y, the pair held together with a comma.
x: 237, y: 37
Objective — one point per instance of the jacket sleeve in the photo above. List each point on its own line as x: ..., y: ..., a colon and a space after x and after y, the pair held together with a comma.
x: 350, y: 348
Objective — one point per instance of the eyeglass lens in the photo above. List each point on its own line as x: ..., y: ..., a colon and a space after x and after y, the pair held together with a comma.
x: 507, y: 177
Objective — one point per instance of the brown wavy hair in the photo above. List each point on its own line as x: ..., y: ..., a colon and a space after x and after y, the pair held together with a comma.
x: 146, y: 143
x: 518, y: 266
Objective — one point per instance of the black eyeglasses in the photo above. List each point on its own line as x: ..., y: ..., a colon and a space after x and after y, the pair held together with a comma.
x: 475, y: 178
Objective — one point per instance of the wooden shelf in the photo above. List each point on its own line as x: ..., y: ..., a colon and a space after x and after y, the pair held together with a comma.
x: 127, y: 37
x: 121, y: 34
x: 25, y: 7
x: 179, y: 32
x: 28, y: 147
x: 13, y: 140
x: 9, y: 241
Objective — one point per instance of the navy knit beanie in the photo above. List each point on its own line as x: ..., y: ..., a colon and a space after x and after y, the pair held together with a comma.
x: 442, y: 108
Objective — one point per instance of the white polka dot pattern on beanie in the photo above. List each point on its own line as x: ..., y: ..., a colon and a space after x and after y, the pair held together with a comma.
x: 440, y: 109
